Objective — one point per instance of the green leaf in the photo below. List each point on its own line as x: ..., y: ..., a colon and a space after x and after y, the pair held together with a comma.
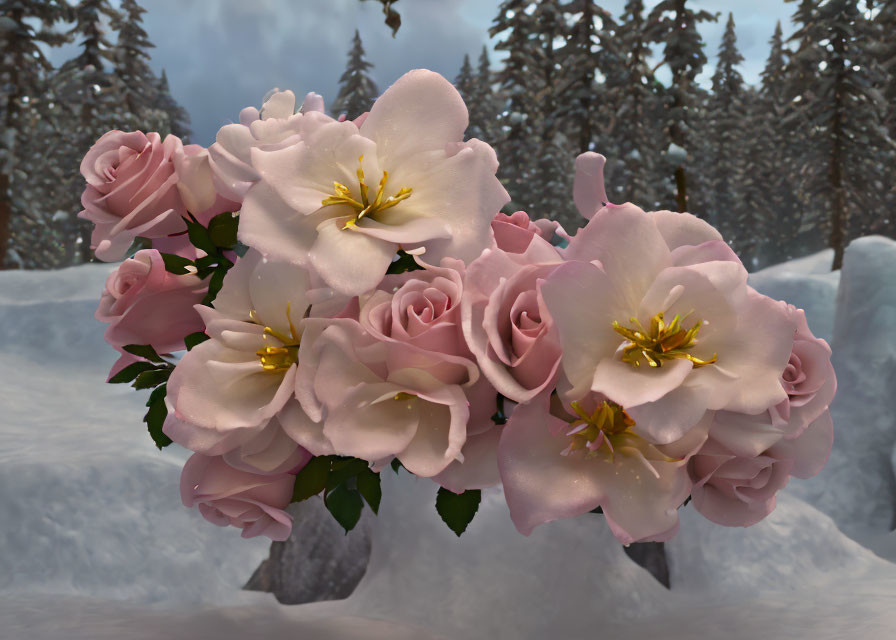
x: 176, y: 264
x: 214, y: 286
x: 345, y: 504
x: 343, y: 469
x: 369, y: 487
x: 499, y: 417
x: 155, y: 417
x: 405, y: 262
x: 130, y: 372
x: 396, y: 465
x: 222, y: 230
x: 312, y: 479
x: 195, y: 338
x: 207, y: 262
x: 200, y: 237
x: 152, y: 378
x: 143, y: 351
x: 458, y: 509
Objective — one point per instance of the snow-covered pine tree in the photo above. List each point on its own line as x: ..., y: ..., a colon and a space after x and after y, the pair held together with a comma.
x: 846, y: 114
x: 357, y: 90
x: 589, y: 56
x: 886, y: 27
x: 767, y: 187
x: 723, y: 137
x: 25, y: 105
x: 138, y: 84
x: 483, y: 103
x: 465, y: 82
x: 673, y: 24
x: 639, y: 135
x: 555, y: 162
x: 517, y: 142
x: 92, y: 106
x: 177, y: 117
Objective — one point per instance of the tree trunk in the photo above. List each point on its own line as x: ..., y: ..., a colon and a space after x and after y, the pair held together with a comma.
x: 839, y: 211
x: 681, y: 189
x: 5, y: 215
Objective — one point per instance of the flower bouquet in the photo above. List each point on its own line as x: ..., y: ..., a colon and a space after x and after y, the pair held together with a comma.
x: 349, y: 298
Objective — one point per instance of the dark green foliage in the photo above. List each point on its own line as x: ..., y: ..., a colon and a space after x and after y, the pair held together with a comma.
x: 195, y: 338
x: 346, y: 484
x: 457, y: 509
x: 357, y: 90
x: 345, y: 505
x: 405, y: 262
x: 155, y: 416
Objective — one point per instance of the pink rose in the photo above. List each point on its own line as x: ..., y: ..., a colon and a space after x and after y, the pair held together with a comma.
x: 506, y: 323
x: 145, y: 304
x: 274, y: 127
x: 513, y: 233
x: 737, y: 489
x: 227, y: 496
x: 808, y: 379
x: 420, y: 308
x: 131, y: 190
x: 376, y: 400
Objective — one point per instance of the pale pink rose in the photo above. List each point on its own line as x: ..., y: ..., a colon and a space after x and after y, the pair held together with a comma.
x: 739, y: 490
x: 513, y: 233
x: 808, y: 378
x: 346, y: 199
x: 376, y: 399
x: 276, y: 126
x: 145, y: 304
x: 588, y: 192
x: 236, y: 391
x: 560, y: 461
x: 226, y: 496
x: 506, y: 323
x: 420, y: 308
x: 131, y: 190
x: 622, y: 280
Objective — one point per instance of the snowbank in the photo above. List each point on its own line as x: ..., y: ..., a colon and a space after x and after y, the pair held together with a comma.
x: 98, y: 546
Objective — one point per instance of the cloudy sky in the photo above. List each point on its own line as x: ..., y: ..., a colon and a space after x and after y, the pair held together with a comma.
x: 222, y: 55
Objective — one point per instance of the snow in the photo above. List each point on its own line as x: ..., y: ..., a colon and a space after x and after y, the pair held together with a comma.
x: 98, y: 546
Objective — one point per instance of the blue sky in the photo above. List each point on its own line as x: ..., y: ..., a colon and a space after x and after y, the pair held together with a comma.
x: 223, y: 55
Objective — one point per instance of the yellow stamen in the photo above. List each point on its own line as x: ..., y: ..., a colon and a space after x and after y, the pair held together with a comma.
x: 343, y: 195
x: 608, y: 427
x: 660, y: 342
x: 278, y: 358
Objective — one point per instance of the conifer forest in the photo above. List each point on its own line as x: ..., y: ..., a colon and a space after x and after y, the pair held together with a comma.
x: 803, y: 160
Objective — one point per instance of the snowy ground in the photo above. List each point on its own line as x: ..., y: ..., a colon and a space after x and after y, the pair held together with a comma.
x: 97, y: 545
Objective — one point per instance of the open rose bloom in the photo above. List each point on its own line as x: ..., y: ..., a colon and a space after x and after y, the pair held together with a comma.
x: 381, y: 310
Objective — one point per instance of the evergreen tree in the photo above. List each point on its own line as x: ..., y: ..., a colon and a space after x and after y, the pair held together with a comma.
x: 886, y: 27
x: 553, y: 171
x: 633, y: 91
x: 589, y: 55
x: 177, y: 118
x: 357, y: 90
x: 483, y: 104
x: 847, y: 121
x: 90, y: 95
x: 465, y: 83
x: 24, y: 98
x: 138, y: 84
x: 767, y: 185
x: 673, y: 24
x: 723, y: 143
x: 517, y: 142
